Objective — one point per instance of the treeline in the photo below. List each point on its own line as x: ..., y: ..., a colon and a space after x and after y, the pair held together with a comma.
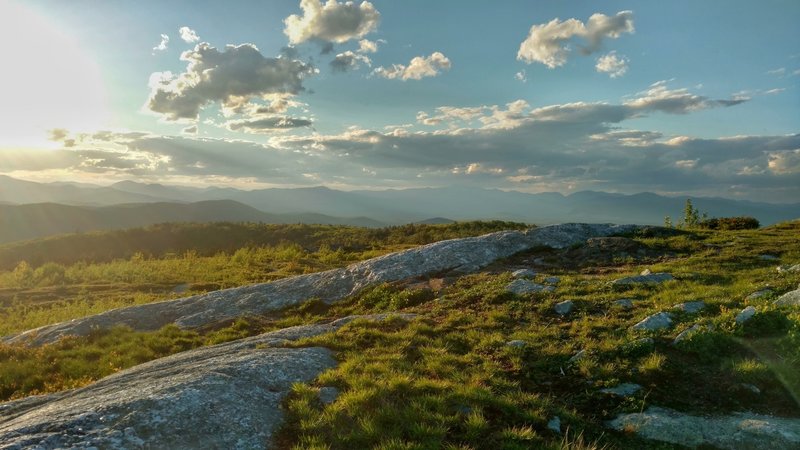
x: 207, y: 239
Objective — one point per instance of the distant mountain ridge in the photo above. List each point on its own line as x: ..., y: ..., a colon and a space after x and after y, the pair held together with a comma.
x: 21, y: 222
x: 396, y: 206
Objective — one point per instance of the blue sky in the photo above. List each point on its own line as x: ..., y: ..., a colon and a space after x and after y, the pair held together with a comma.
x: 679, y: 97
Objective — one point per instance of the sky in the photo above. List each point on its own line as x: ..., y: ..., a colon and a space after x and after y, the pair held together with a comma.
x: 678, y: 98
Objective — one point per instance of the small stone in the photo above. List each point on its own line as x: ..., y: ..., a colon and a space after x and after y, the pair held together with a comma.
x: 768, y: 257
x: 552, y: 280
x: 683, y: 335
x: 564, y: 308
x: 784, y: 269
x: 645, y: 272
x: 523, y: 273
x: 791, y: 298
x: 328, y: 395
x: 623, y: 303
x: 518, y: 343
x: 750, y: 387
x: 745, y: 315
x: 554, y: 424
x: 657, y: 321
x: 578, y: 356
x: 690, y: 307
x: 522, y: 287
x: 622, y: 390
x: 759, y: 293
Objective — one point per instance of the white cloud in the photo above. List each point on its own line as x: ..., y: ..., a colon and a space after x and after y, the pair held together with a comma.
x: 232, y: 77
x: 678, y: 101
x: 781, y: 71
x: 548, y: 43
x: 615, y: 66
x: 521, y: 76
x: 419, y: 67
x: 774, y: 91
x: 332, y: 22
x: 367, y: 46
x: 162, y: 45
x: 268, y: 124
x: 349, y: 61
x: 785, y: 162
x: 188, y: 35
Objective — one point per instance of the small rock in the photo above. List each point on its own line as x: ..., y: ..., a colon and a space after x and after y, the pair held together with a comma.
x: 622, y: 390
x: 552, y: 280
x: 645, y: 272
x: 683, y: 335
x: 690, y: 307
x: 655, y: 322
x: 745, y: 315
x: 328, y: 395
x: 623, y: 303
x: 784, y: 269
x: 759, y: 293
x: 652, y: 278
x: 554, y: 424
x: 750, y: 387
x: 791, y: 298
x: 768, y: 257
x: 518, y: 343
x: 523, y: 273
x: 578, y: 356
x: 522, y: 287
x: 564, y: 308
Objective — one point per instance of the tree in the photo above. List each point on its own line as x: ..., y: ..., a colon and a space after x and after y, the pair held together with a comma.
x: 691, y: 216
x: 668, y: 221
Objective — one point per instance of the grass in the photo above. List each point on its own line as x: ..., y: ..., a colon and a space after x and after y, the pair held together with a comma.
x: 447, y: 379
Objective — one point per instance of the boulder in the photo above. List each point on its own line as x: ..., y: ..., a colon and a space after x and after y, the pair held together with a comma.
x: 791, y: 298
x: 523, y: 273
x: 759, y: 293
x: 516, y: 343
x: 789, y: 269
x: 554, y: 424
x: 564, y: 308
x: 329, y: 286
x: 690, y: 307
x: 657, y: 321
x: 223, y: 396
x: 745, y: 315
x: 739, y: 431
x: 623, y: 303
x: 328, y: 395
x: 523, y: 287
x: 552, y: 280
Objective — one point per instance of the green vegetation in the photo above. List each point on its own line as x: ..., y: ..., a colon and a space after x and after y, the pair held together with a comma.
x: 448, y: 380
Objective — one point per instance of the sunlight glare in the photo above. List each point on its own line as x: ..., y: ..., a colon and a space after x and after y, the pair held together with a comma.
x: 46, y: 81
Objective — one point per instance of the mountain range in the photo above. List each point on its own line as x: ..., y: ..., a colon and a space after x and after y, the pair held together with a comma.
x: 29, y: 209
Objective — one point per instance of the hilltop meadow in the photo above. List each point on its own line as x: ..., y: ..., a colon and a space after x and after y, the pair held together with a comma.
x: 448, y: 378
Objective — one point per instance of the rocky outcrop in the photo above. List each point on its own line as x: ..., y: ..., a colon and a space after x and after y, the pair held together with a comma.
x: 463, y: 255
x: 225, y: 396
x: 657, y: 321
x: 741, y: 431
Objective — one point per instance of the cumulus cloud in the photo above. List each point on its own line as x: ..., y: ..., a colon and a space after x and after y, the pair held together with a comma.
x: 521, y: 76
x: 232, y: 77
x: 419, y: 67
x: 615, y: 66
x: 268, y: 124
x: 349, y: 61
x: 678, y: 101
x: 367, y: 46
x: 332, y: 22
x: 162, y: 45
x: 188, y: 35
x: 548, y: 43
